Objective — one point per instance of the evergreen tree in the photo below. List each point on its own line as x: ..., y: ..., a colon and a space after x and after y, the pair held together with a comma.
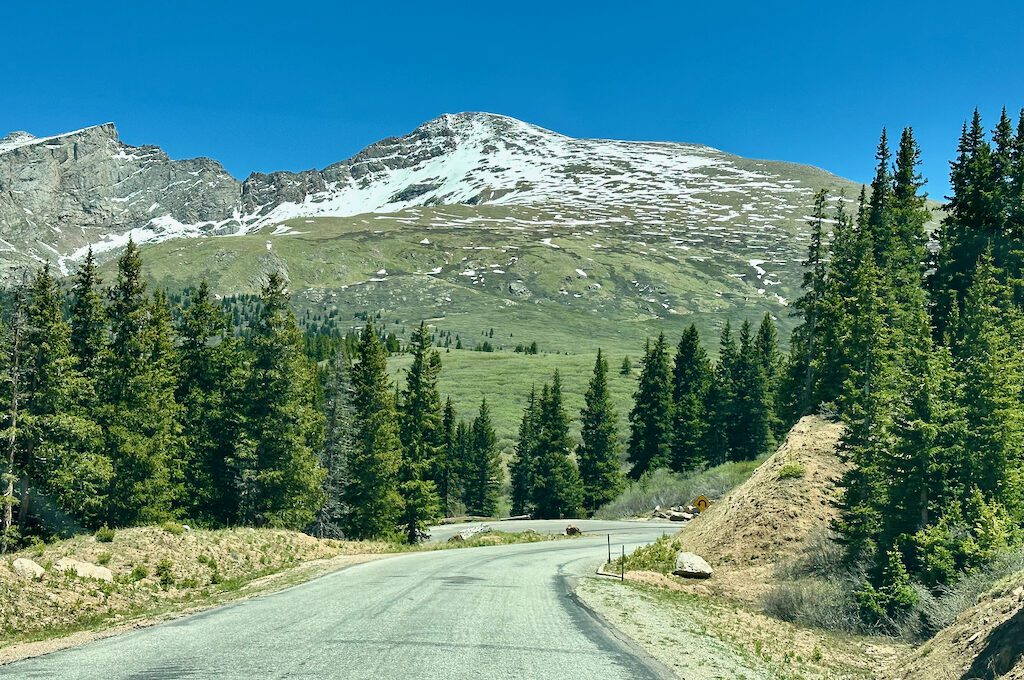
x: 801, y: 378
x: 448, y: 465
x: 752, y: 420
x: 282, y: 478
x: 766, y: 348
x: 421, y: 420
x: 691, y: 380
x: 990, y: 366
x: 339, y: 446
x: 557, y: 489
x: 88, y: 318
x: 212, y: 369
x: 483, y: 469
x: 12, y: 388
x: 522, y: 466
x: 371, y: 495
x: 720, y: 402
x: 598, y: 453
x: 138, y: 412
x: 650, y: 419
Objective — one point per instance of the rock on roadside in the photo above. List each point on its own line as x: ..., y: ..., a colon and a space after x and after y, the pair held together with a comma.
x: 84, y: 569
x: 691, y: 565
x: 27, y: 569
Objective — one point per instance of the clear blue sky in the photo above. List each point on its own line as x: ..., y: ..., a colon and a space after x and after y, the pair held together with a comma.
x: 293, y: 85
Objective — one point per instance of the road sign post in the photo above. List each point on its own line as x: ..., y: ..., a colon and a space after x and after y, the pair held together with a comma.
x: 609, y: 548
x: 622, y: 565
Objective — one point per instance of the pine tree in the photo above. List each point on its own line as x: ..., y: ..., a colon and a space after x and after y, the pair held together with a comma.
x: 282, y: 478
x: 752, y: 421
x: 691, y: 380
x: 800, y: 378
x: 878, y: 225
x: 448, y: 464
x: 421, y: 420
x: 557, y: 489
x: 138, y: 412
x: 12, y: 388
x: 371, y: 495
x: 212, y: 365
x: 990, y: 366
x: 88, y: 318
x: 598, y: 453
x: 522, y: 466
x: 766, y: 347
x: 483, y: 469
x: 970, y: 224
x: 339, y: 446
x: 720, y: 402
x: 61, y: 442
x: 650, y: 419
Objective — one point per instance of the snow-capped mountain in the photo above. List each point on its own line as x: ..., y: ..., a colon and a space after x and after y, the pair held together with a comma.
x: 62, y: 194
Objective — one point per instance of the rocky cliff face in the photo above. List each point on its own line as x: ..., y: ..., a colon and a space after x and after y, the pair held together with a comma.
x: 61, y: 194
x: 58, y: 194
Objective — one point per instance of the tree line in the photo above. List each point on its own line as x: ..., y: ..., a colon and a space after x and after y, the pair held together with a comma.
x: 917, y: 348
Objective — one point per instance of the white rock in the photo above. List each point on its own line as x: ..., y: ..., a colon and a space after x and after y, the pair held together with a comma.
x: 28, y: 569
x: 84, y: 569
x: 691, y: 565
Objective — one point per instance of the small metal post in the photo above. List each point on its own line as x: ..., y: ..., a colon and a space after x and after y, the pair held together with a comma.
x: 622, y: 565
x: 609, y: 548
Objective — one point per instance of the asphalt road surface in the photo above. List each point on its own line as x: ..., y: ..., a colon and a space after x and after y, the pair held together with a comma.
x: 479, y: 613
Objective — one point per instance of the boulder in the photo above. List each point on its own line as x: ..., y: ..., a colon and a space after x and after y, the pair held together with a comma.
x: 572, y: 530
x: 84, y: 569
x: 678, y: 516
x: 28, y: 569
x: 457, y: 538
x: 691, y: 565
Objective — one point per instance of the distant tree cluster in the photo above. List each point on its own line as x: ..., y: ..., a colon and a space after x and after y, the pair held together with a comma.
x: 690, y: 413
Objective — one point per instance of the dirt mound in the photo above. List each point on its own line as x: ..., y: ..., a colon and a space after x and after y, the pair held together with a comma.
x: 152, y: 568
x: 772, y: 517
x: 986, y: 641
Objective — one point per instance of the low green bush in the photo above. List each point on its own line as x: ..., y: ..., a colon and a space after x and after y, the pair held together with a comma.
x: 104, y: 535
x: 173, y: 528
x: 792, y: 470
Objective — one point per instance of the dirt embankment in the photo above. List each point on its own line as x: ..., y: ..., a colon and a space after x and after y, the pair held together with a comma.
x: 986, y: 641
x: 151, y: 572
x: 771, y: 518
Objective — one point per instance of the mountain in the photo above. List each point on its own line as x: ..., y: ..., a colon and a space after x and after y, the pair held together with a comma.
x: 473, y: 216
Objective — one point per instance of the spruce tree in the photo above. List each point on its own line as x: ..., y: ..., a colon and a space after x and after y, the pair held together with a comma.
x: 720, y: 402
x: 448, y: 465
x: 800, y: 376
x: 766, y: 347
x: 339, y: 446
x: 752, y: 418
x: 691, y: 380
x: 12, y: 389
x: 650, y: 420
x: 138, y: 412
x: 483, y: 469
x: 371, y: 494
x: 557, y: 489
x: 283, y: 478
x: 598, y: 453
x: 88, y: 317
x: 212, y: 369
x: 521, y: 469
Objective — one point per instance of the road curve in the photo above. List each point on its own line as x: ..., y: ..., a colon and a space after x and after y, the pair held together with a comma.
x: 477, y: 613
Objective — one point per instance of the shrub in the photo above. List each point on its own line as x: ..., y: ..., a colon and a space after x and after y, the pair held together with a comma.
x: 103, y: 559
x: 139, y: 572
x: 666, y: 488
x: 104, y: 535
x: 165, y: 572
x: 173, y: 528
x: 792, y: 470
x: 659, y: 556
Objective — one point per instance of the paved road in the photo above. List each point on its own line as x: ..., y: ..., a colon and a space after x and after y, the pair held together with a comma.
x: 548, y: 526
x: 478, y: 613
